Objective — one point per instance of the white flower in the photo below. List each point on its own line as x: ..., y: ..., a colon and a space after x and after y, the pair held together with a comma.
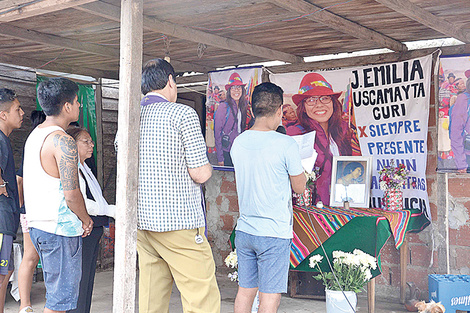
x: 366, y: 260
x: 339, y: 254
x: 233, y: 276
x: 314, y: 260
x: 383, y: 185
x: 232, y: 260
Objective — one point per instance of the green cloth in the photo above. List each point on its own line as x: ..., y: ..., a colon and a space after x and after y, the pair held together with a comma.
x: 362, y: 233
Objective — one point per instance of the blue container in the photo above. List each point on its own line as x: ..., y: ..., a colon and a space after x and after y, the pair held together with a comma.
x: 453, y: 291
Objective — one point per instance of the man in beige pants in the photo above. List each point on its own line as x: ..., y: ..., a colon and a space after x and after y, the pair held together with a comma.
x: 172, y: 165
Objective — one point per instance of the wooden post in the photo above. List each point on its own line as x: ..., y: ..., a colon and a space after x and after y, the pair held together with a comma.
x: 99, y: 132
x: 404, y: 255
x: 371, y: 296
x: 128, y: 154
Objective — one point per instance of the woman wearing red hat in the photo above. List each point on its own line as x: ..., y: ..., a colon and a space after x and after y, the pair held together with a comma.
x: 231, y: 119
x: 318, y: 109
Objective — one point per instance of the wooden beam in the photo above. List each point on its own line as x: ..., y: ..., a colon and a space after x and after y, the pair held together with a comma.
x: 99, y: 132
x: 430, y: 20
x: 57, y: 41
x: 39, y: 8
x: 339, y: 23
x: 371, y: 296
x: 404, y: 257
x: 7, y: 4
x: 368, y: 59
x: 127, y: 168
x: 150, y: 23
x: 72, y: 44
x: 56, y: 66
x: 191, y: 79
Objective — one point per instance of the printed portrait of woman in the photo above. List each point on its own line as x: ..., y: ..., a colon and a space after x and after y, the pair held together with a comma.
x: 319, y: 109
x: 232, y: 117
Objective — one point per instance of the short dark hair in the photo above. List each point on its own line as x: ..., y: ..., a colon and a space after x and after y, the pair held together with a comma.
x: 351, y: 167
x: 266, y: 99
x: 155, y: 75
x: 7, y: 96
x: 54, y: 93
x: 37, y: 117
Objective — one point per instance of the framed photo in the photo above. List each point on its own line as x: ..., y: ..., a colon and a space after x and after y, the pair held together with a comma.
x: 351, y: 181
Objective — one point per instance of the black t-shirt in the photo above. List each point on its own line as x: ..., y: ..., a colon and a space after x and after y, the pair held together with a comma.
x: 9, y: 206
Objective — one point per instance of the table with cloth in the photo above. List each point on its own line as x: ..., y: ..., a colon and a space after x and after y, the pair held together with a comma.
x: 348, y: 229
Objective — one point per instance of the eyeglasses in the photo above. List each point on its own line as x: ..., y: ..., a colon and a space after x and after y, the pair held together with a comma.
x: 313, y: 100
x: 88, y: 142
x: 236, y: 87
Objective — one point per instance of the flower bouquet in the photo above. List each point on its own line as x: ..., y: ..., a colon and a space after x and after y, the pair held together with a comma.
x: 391, y: 179
x: 309, y: 196
x: 353, y: 270
x: 232, y: 261
x: 350, y: 273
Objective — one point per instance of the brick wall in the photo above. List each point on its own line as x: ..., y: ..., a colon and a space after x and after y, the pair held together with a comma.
x: 427, y: 249
x: 222, y: 206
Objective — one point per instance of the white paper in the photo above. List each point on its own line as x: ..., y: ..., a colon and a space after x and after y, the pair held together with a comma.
x: 354, y: 193
x: 308, y: 155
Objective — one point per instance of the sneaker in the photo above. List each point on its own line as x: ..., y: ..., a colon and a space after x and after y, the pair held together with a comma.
x: 27, y: 309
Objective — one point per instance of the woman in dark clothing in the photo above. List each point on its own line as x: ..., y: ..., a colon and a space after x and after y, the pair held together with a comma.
x: 232, y: 117
x: 97, y: 208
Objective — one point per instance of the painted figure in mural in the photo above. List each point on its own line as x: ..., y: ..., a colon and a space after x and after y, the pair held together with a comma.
x: 289, y: 117
x: 11, y: 118
x: 353, y: 173
x: 318, y: 109
x: 30, y: 256
x: 267, y: 168
x: 231, y: 118
x: 99, y: 210
x: 171, y: 239
x: 460, y: 130
x: 57, y: 222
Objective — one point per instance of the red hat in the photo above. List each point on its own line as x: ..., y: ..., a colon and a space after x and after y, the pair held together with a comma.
x: 467, y: 73
x: 235, y: 80
x: 313, y: 84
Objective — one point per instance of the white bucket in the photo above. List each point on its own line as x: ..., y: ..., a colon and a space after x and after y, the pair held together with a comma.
x: 336, y: 301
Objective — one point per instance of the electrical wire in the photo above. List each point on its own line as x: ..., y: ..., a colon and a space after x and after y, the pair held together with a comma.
x: 19, y: 7
x: 52, y: 59
x: 193, y: 90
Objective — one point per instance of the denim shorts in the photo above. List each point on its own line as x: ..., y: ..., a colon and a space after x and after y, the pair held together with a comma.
x: 61, y: 259
x: 263, y: 262
x: 6, y: 254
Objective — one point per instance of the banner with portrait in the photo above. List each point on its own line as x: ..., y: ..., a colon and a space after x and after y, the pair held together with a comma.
x: 380, y: 111
x: 228, y: 111
x: 454, y: 111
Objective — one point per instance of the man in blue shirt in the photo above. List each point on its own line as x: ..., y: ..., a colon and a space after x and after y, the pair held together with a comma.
x: 267, y: 167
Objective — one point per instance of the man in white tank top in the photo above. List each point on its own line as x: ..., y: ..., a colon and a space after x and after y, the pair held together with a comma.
x: 56, y: 211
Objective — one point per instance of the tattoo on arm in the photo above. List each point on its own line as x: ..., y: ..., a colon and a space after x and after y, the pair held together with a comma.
x: 67, y: 161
